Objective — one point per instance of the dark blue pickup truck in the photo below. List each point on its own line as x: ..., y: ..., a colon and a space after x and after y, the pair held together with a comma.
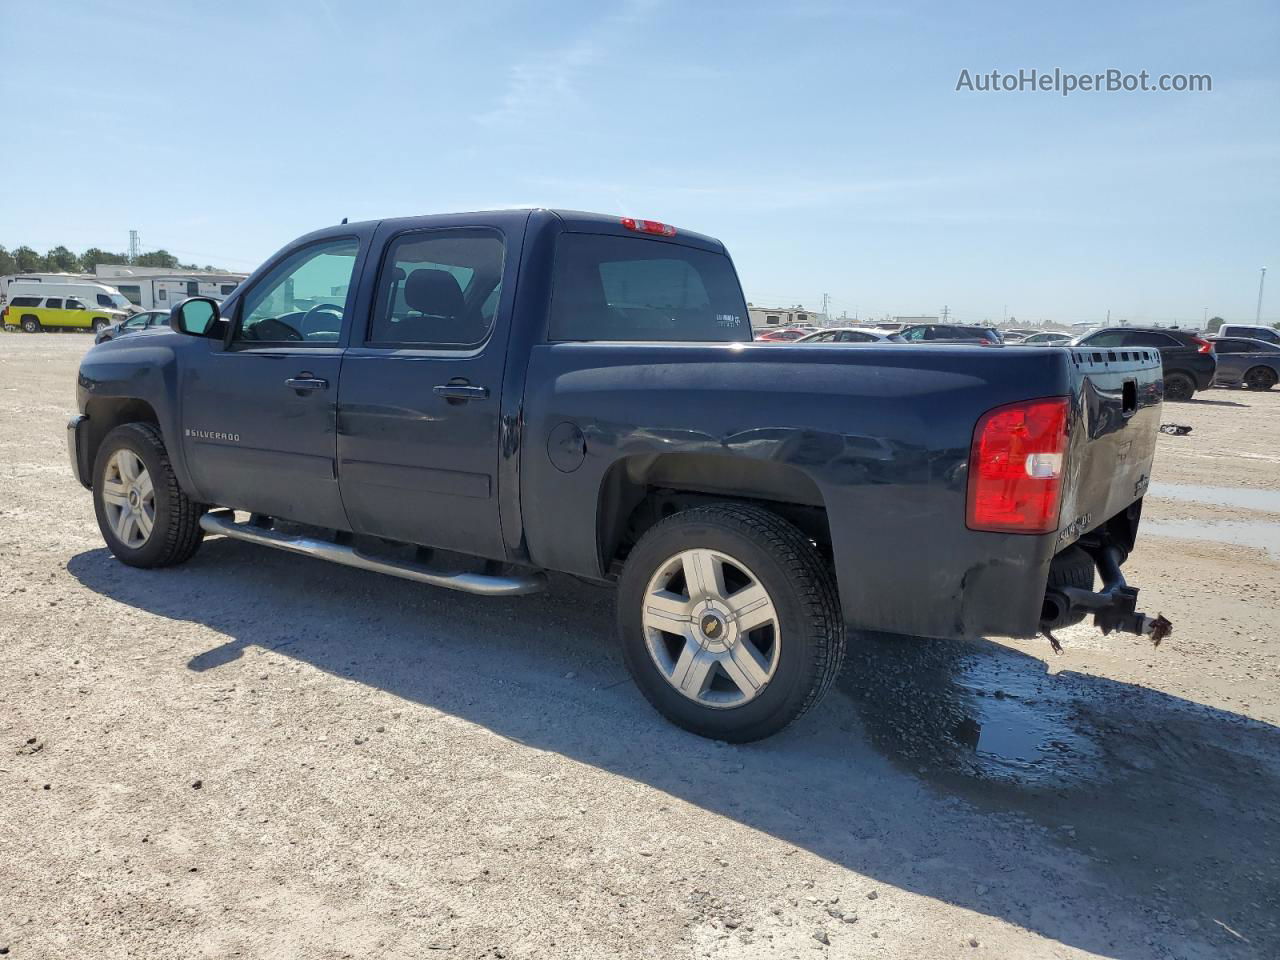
x: 472, y: 400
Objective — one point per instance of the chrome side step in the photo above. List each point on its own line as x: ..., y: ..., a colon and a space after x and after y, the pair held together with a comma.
x: 223, y: 522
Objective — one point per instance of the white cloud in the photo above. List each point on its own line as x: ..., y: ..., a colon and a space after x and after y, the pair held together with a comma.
x: 546, y: 84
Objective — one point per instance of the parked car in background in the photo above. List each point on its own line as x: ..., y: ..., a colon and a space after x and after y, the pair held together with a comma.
x: 139, y: 321
x: 34, y: 314
x: 1013, y: 336
x: 1246, y: 363
x: 1046, y: 339
x: 846, y: 335
x: 1189, y: 360
x: 1250, y: 331
x: 781, y: 336
x: 96, y: 295
x: 948, y: 333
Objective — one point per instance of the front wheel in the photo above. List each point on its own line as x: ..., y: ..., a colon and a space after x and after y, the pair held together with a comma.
x: 730, y: 622
x: 1260, y: 378
x: 1178, y: 387
x: 145, y: 518
x: 99, y: 325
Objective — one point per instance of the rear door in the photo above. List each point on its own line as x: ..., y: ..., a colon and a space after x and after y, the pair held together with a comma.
x: 258, y: 412
x: 418, y: 405
x: 1233, y: 357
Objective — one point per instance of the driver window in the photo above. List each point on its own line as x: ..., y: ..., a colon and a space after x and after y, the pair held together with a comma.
x: 302, y: 299
x: 75, y: 305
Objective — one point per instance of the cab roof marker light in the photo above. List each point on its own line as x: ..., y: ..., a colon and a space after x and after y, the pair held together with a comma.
x: 649, y: 226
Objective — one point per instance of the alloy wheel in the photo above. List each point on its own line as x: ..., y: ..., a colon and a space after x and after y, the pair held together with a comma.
x: 711, y: 628
x: 129, y: 497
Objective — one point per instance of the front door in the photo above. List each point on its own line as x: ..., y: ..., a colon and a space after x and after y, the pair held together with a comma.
x: 418, y: 405
x: 258, y: 414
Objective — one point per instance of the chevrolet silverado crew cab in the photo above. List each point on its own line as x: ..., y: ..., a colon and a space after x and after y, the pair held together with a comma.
x: 473, y: 400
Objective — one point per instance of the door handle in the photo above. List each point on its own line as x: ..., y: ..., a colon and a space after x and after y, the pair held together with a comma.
x: 461, y: 391
x: 306, y: 384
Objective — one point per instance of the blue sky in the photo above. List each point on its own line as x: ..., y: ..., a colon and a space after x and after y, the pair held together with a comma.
x: 825, y: 143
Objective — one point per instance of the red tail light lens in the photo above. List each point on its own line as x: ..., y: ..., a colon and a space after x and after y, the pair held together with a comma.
x: 649, y: 226
x: 1015, y: 467
x: 1203, y: 346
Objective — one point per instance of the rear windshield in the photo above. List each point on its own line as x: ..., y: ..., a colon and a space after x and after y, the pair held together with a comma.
x: 631, y: 288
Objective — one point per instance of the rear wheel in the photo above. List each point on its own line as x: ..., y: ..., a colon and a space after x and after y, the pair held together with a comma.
x: 1260, y: 378
x: 730, y: 622
x: 1178, y: 387
x: 145, y: 518
x: 30, y: 324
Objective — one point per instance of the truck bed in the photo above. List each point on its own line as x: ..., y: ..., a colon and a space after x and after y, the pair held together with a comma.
x: 877, y: 436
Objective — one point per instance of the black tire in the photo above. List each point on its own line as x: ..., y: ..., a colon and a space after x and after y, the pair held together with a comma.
x: 811, y: 633
x: 1178, y: 387
x: 100, y: 324
x: 31, y: 325
x: 1072, y: 568
x: 1260, y: 378
x: 176, y: 532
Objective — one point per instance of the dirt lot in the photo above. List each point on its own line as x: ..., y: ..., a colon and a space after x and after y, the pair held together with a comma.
x: 261, y: 755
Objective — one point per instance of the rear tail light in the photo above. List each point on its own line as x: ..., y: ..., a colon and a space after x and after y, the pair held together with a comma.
x: 649, y: 226
x: 1202, y: 346
x: 1015, y: 467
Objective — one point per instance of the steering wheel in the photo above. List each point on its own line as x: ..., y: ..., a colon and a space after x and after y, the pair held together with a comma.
x: 309, y: 324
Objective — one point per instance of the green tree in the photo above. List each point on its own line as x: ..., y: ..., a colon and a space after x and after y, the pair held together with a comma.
x: 62, y: 260
x: 94, y: 256
x: 157, y: 258
x: 8, y: 265
x: 1214, y: 324
x: 27, y: 260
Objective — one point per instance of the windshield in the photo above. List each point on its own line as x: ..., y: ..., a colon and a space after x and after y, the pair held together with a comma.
x: 120, y: 302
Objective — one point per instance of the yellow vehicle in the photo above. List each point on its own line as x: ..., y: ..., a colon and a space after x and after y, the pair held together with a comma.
x: 34, y: 314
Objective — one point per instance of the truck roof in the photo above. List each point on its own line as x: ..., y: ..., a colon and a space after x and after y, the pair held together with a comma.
x: 573, y: 220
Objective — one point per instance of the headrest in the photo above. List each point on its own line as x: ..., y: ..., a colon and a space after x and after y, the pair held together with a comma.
x: 434, y: 292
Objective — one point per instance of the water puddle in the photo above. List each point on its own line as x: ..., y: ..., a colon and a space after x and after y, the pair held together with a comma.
x: 1243, y: 497
x: 988, y: 714
x: 1263, y: 536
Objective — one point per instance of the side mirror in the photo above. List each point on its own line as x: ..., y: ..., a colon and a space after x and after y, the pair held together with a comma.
x: 194, y: 316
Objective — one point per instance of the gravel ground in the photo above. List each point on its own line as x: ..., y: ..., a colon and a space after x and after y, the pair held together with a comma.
x: 261, y: 755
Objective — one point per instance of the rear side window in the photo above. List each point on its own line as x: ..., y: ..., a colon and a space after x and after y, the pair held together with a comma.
x: 1108, y: 338
x: 53, y: 303
x: 1150, y: 340
x: 438, y: 289
x: 25, y: 302
x: 631, y: 288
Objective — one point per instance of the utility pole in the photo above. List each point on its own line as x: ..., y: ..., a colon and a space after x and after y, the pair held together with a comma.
x: 134, y: 249
x: 826, y: 309
x: 1257, y: 317
x: 946, y: 312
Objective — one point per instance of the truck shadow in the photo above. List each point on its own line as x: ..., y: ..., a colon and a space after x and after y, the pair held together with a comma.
x: 1103, y: 815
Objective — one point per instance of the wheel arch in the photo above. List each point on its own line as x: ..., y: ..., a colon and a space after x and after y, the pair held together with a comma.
x: 638, y: 491
x: 107, y: 413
